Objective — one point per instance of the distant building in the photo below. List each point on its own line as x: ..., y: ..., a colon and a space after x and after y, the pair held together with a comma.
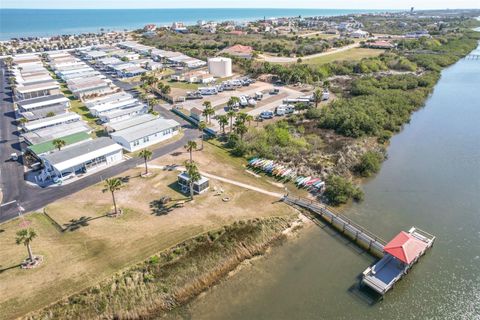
x: 239, y: 50
x: 379, y: 45
x: 150, y: 27
x: 358, y: 34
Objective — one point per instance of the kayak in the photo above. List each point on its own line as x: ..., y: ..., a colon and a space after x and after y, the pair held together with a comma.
x: 304, y: 181
x: 312, y: 181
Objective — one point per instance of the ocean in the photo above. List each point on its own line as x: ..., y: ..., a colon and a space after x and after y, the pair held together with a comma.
x: 46, y: 22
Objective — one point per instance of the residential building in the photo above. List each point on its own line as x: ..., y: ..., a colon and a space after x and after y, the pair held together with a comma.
x: 146, y: 134
x: 81, y: 158
x: 35, y: 90
x: 122, y: 114
x: 239, y: 50
x: 43, y: 123
x: 199, y: 186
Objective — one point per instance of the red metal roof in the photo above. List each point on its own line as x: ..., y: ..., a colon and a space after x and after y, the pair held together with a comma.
x: 405, y: 247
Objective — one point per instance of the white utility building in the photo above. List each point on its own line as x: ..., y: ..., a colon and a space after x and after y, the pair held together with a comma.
x: 220, y: 67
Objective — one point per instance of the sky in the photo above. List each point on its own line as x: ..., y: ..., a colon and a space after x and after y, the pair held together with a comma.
x: 322, y: 4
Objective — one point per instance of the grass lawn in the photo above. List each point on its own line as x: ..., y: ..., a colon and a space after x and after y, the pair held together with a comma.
x: 181, y: 85
x: 95, y: 247
x: 352, y: 54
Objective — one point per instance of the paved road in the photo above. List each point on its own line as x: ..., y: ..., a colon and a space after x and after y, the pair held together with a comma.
x: 11, y: 172
x: 321, y: 54
x: 17, y: 191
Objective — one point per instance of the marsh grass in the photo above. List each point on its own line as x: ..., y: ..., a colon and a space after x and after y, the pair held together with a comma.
x: 173, y: 277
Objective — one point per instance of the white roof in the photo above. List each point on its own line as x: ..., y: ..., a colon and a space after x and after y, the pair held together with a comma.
x: 50, y: 121
x: 112, y: 106
x: 119, y: 96
x: 42, y: 101
x: 81, y: 153
x: 124, y: 124
x: 145, y: 129
x: 47, y: 85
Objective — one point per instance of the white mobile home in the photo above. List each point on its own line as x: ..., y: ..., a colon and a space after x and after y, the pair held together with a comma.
x: 64, y: 118
x: 146, y: 134
x: 122, y: 114
x: 81, y: 158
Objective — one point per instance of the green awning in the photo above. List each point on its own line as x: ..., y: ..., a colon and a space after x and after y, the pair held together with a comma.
x: 48, y: 146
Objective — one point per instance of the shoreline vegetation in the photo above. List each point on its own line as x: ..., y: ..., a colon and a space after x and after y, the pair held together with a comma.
x: 175, y: 276
x: 345, y: 141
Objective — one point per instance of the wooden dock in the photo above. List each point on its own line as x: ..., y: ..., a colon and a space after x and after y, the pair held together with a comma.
x: 361, y: 236
x: 473, y: 56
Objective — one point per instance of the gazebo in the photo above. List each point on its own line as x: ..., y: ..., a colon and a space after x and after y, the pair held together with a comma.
x: 405, y: 247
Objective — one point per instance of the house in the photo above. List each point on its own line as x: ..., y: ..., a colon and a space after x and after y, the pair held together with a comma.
x: 35, y: 90
x: 58, y: 131
x: 198, y: 77
x: 150, y: 27
x: 127, y: 56
x: 239, y: 50
x: 93, y: 86
x: 64, y: 118
x: 124, y: 113
x: 199, y: 186
x: 94, y: 54
x: 81, y: 158
x: 128, y: 70
x: 131, y: 122
x: 359, y: 34
x: 48, y: 146
x: 36, y: 104
x: 111, y: 104
x: 379, y: 45
x: 197, y: 114
x: 146, y: 134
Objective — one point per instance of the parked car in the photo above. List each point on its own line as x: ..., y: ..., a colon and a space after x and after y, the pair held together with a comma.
x: 258, y: 95
x: 274, y: 91
x: 325, y: 95
x: 290, y: 109
x: 14, y: 156
x: 266, y: 115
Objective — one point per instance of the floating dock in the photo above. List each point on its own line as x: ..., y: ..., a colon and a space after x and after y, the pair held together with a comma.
x: 397, y: 256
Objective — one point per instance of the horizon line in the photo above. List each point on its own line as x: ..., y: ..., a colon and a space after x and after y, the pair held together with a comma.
x: 274, y: 8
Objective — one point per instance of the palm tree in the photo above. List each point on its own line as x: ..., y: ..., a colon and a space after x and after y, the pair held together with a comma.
x: 166, y: 89
x: 201, y: 127
x: 223, y: 121
x: 59, y: 144
x: 208, y: 111
x: 193, y: 175
x: 249, y: 118
x: 317, y: 97
x: 241, y: 129
x: 234, y: 101
x: 153, y: 102
x: 146, y: 155
x: 23, y: 120
x: 111, y: 185
x: 190, y: 146
x: 231, y: 114
x: 25, y: 237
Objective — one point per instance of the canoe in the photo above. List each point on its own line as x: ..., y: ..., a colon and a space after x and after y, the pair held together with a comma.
x: 312, y: 181
x: 319, y: 184
x: 286, y: 172
x: 252, y: 160
x: 297, y: 181
x: 304, y: 181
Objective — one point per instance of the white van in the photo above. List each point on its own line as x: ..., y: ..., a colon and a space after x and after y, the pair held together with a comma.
x: 243, y: 101
x: 325, y: 95
x: 281, y: 110
x: 258, y: 95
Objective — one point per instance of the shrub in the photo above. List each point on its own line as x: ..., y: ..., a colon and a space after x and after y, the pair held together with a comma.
x: 370, y: 163
x: 339, y: 190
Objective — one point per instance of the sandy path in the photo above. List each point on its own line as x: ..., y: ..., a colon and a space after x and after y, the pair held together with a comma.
x: 316, y: 55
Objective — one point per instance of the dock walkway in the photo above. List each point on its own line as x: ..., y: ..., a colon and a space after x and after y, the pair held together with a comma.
x: 373, y: 243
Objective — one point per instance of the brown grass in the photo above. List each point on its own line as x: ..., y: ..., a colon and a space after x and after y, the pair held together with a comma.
x: 99, y: 246
x: 173, y: 277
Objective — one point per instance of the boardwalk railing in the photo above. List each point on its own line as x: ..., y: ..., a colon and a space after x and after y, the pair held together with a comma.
x: 373, y: 243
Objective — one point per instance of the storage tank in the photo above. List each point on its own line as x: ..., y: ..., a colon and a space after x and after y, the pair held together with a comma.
x: 220, y: 67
